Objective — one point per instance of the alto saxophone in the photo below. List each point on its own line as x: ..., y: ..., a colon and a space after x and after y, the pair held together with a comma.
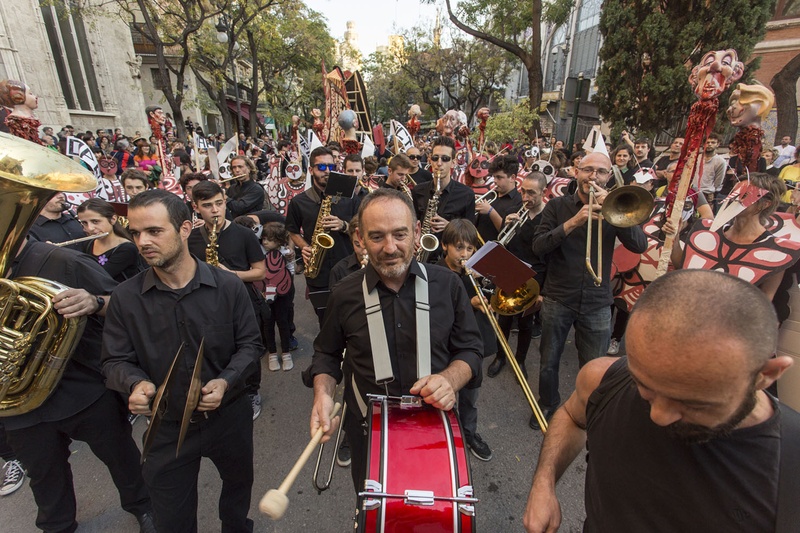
x: 428, y: 241
x: 321, y: 242
x: 212, y: 248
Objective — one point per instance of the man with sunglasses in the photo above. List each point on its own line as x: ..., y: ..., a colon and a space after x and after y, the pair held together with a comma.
x: 301, y: 218
x: 418, y: 174
x: 456, y: 199
x: 571, y: 297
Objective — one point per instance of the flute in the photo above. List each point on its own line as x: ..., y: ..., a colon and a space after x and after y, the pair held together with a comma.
x: 233, y: 178
x: 82, y: 239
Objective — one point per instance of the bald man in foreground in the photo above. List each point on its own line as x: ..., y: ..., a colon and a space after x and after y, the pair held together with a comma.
x: 681, y: 434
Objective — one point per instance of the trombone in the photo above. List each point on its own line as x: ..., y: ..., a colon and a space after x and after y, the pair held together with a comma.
x: 625, y: 206
x: 526, y: 389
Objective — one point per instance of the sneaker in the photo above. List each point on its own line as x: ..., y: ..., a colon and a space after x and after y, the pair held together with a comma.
x: 287, y: 362
x: 293, y: 344
x: 255, y: 400
x: 479, y: 448
x: 343, y: 454
x: 13, y: 478
x: 274, y: 363
x: 132, y: 418
x: 613, y: 347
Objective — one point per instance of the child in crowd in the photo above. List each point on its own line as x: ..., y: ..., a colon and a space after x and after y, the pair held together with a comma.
x: 459, y: 241
x: 353, y: 262
x: 279, y: 293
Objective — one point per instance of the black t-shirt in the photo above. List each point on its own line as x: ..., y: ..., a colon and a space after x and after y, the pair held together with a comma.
x: 82, y: 381
x: 504, y: 205
x: 121, y: 262
x: 421, y: 176
x: 238, y: 248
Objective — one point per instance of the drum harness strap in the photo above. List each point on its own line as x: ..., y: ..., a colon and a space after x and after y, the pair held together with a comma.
x: 380, y: 345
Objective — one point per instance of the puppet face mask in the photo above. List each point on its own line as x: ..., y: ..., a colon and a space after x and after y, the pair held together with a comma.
x: 715, y: 73
x: 740, y: 198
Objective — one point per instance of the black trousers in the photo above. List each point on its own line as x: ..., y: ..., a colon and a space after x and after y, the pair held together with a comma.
x: 225, y: 437
x: 6, y: 451
x: 44, y: 450
x: 523, y: 336
x: 276, y: 313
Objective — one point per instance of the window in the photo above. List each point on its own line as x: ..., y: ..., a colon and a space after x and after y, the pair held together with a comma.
x: 787, y: 9
x: 70, y: 47
x: 589, y: 15
x: 159, y: 83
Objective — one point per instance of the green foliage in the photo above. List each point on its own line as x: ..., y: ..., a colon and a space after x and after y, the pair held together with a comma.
x: 513, y: 123
x: 676, y: 34
x: 469, y: 72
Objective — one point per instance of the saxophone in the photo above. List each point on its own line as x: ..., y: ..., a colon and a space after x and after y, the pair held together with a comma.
x: 35, y: 341
x: 321, y: 242
x: 428, y: 241
x: 212, y: 248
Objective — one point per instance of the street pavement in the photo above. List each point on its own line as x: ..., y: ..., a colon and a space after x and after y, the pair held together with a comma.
x: 282, y: 431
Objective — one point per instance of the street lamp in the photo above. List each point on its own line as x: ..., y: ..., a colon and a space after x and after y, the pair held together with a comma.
x: 224, y: 34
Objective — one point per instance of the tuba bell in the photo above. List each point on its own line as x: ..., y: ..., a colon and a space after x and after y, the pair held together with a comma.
x: 35, y: 341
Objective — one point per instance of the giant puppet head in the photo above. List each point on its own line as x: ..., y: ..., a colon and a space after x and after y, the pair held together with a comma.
x: 715, y: 73
x: 18, y: 97
x: 155, y: 113
x: 749, y: 104
x: 451, y: 122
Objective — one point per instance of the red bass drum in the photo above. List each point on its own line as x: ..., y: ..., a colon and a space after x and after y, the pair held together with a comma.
x: 418, y: 477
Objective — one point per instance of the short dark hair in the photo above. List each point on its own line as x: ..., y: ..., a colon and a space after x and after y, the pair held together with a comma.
x: 191, y: 176
x: 681, y: 299
x: 176, y: 208
x: 538, y: 177
x: 318, y: 152
x: 134, y: 174
x: 642, y: 140
x: 401, y: 161
x: 205, y: 190
x: 386, y: 194
x: 283, y: 144
x: 275, y: 231
x: 353, y: 158
x: 460, y: 230
x: 444, y: 141
x: 712, y: 135
x: 506, y: 163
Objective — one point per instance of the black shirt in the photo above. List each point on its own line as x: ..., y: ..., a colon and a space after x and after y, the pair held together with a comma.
x: 82, y: 382
x: 456, y: 201
x: 301, y: 218
x: 568, y: 280
x: 244, y: 198
x: 238, y: 248
x: 147, y: 321
x: 521, y: 245
x: 421, y: 176
x: 265, y: 216
x: 343, y: 268
x: 453, y: 331
x: 641, y: 478
x: 121, y: 262
x: 504, y: 205
x: 65, y: 228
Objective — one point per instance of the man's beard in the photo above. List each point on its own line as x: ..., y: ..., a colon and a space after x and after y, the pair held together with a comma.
x: 393, y: 271
x: 696, y: 434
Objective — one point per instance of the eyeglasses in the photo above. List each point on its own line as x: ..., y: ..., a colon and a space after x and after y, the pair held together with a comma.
x: 444, y: 158
x: 322, y: 167
x: 414, y: 157
x: 601, y: 172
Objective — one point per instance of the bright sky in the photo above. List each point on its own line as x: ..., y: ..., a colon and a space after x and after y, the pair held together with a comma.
x: 375, y: 19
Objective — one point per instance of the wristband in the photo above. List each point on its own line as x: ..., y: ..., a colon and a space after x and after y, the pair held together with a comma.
x: 490, y: 210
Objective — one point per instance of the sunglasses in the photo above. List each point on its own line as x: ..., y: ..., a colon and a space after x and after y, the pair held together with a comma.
x: 322, y: 167
x: 414, y: 157
x: 444, y: 158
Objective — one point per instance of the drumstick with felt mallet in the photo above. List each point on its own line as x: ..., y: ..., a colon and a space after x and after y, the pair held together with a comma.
x: 275, y: 502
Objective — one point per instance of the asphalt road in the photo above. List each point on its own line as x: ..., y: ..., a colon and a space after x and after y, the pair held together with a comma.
x: 281, y: 433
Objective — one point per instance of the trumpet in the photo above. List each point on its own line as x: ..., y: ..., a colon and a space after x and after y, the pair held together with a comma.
x: 625, y: 206
x: 509, y: 231
x: 485, y: 197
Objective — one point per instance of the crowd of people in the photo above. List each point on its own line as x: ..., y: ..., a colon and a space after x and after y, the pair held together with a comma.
x: 162, y: 279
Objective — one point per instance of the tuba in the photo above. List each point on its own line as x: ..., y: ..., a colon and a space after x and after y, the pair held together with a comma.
x: 35, y: 341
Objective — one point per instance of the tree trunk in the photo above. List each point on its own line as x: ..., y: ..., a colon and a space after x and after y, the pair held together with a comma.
x: 784, y: 84
x: 251, y: 41
x: 535, y: 96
